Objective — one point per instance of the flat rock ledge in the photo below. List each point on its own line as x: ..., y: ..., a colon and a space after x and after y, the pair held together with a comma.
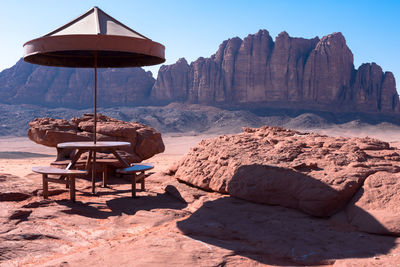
x: 316, y: 174
x: 171, y: 224
x: 145, y: 141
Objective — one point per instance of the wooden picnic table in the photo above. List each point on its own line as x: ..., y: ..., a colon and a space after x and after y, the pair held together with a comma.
x: 92, y: 148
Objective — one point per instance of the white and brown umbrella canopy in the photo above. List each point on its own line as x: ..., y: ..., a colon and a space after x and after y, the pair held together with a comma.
x: 94, y: 40
x: 74, y: 44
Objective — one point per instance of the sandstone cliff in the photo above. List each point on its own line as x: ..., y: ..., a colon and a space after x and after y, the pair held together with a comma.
x: 69, y: 87
x: 256, y: 72
x: 290, y: 72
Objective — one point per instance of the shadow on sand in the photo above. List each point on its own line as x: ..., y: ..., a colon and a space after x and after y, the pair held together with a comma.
x: 121, y: 205
x: 22, y: 155
x: 277, y: 235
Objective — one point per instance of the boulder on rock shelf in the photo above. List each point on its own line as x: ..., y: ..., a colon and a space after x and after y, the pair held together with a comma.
x: 314, y: 173
x: 145, y: 141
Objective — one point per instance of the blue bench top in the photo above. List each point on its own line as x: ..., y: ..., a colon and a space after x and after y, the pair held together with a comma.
x: 136, y: 168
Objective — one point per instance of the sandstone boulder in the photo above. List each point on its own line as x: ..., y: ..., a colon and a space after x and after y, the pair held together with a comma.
x: 145, y: 141
x: 314, y: 173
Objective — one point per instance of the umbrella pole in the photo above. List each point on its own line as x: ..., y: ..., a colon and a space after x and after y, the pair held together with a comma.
x: 95, y: 96
x: 95, y: 123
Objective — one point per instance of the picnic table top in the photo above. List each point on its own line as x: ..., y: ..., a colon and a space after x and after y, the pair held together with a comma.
x: 92, y: 145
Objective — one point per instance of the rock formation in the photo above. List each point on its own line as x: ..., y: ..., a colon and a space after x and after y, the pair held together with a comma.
x: 145, y: 141
x: 313, y: 173
x: 290, y: 72
x: 69, y: 87
x: 171, y: 224
x: 256, y: 72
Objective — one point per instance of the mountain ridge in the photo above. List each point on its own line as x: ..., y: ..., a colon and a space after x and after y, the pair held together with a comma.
x: 293, y: 72
x: 254, y: 72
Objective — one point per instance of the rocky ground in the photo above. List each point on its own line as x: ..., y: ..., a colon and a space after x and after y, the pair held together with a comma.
x: 175, y: 224
x: 171, y: 224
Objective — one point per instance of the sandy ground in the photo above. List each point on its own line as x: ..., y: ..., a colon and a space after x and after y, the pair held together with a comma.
x: 19, y: 154
x: 388, y: 134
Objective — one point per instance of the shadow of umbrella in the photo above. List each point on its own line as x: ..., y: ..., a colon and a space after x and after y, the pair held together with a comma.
x: 123, y: 205
x: 278, y: 235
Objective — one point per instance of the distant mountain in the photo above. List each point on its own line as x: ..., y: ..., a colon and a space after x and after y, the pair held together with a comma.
x: 253, y: 73
x: 299, y: 73
x: 25, y: 83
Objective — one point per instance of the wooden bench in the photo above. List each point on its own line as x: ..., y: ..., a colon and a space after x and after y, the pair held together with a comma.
x: 133, y: 170
x: 70, y: 181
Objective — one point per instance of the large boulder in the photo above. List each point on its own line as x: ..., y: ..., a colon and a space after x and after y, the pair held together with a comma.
x: 314, y: 173
x: 145, y: 141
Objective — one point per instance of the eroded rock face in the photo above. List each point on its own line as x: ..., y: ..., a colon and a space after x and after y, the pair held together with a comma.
x: 73, y: 87
x: 174, y: 86
x: 145, y: 141
x: 315, y: 74
x: 314, y: 173
x: 306, y: 73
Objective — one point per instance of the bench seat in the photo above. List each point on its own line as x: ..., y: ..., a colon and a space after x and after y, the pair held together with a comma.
x: 133, y: 170
x: 70, y: 181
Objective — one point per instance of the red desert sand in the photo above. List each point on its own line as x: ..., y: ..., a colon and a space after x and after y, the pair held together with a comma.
x: 178, y: 224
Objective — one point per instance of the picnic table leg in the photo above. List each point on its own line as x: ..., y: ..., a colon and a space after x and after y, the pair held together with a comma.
x: 72, y: 188
x: 75, y: 159
x: 133, y: 185
x: 118, y: 156
x: 71, y: 165
x: 142, y: 183
x: 105, y: 174
x: 45, y: 186
x: 89, y: 159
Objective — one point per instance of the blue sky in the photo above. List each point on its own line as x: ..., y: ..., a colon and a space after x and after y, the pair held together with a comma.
x: 195, y: 28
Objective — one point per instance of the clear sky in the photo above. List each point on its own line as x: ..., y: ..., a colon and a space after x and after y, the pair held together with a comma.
x: 194, y: 28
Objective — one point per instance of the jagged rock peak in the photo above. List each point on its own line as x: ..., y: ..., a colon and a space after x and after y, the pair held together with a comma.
x: 283, y: 34
x: 335, y: 39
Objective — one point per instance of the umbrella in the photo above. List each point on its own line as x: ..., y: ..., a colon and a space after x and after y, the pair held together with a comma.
x: 94, y: 40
